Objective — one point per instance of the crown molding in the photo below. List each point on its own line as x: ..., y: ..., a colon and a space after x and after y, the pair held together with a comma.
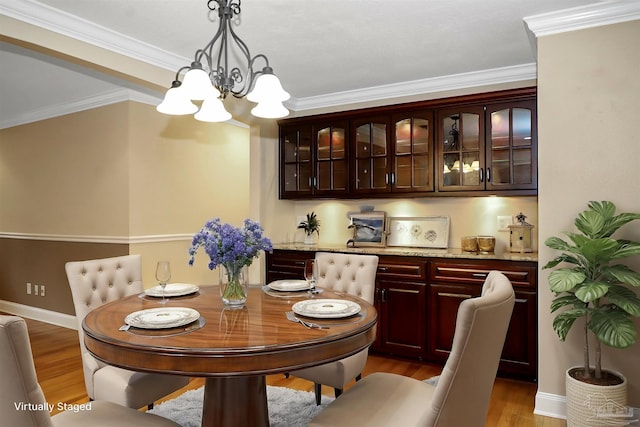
x: 582, y: 17
x: 418, y: 87
x: 100, y: 100
x: 58, y: 21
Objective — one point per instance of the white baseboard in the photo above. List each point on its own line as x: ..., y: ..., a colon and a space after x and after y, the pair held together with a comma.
x: 551, y: 405
x: 40, y: 314
x: 555, y: 406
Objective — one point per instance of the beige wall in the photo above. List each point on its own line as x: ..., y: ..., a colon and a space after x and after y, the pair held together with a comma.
x: 183, y: 172
x: 68, y: 175
x: 113, y: 180
x: 589, y: 146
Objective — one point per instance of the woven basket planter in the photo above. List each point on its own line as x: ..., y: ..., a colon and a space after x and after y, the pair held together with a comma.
x: 590, y: 405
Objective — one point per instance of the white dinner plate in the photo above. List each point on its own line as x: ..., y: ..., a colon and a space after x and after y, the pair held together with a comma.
x: 326, y: 308
x: 173, y: 290
x: 289, y: 285
x: 162, y: 317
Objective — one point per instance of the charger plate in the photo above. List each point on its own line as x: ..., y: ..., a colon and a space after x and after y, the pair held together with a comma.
x: 162, y: 317
x: 326, y: 308
x: 289, y: 285
x: 172, y: 290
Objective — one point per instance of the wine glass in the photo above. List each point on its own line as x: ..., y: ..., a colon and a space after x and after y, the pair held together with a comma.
x: 163, y: 275
x: 310, y: 274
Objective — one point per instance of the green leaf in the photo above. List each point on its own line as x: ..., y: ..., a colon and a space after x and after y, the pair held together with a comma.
x: 624, y: 298
x: 565, y: 300
x: 599, y: 251
x: 590, y: 223
x: 557, y: 243
x: 613, y: 328
x: 591, y: 291
x: 625, y: 249
x: 565, y: 320
x: 613, y: 224
x: 578, y: 239
x: 605, y: 208
x: 562, y: 258
x: 565, y: 279
x: 622, y: 273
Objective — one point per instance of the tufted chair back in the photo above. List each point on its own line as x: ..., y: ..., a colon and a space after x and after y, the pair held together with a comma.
x: 19, y: 380
x: 94, y: 283
x: 23, y: 404
x: 354, y: 274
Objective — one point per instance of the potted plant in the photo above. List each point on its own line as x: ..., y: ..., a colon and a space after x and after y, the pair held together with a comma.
x: 310, y: 225
x: 591, y: 285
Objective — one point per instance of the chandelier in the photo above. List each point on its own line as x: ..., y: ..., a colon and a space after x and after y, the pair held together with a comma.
x: 210, y: 78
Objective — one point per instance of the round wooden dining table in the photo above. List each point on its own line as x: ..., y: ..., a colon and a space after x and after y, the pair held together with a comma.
x: 232, y: 348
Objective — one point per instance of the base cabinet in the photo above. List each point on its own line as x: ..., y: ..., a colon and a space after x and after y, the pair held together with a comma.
x: 417, y: 301
x: 451, y: 282
x: 401, y: 301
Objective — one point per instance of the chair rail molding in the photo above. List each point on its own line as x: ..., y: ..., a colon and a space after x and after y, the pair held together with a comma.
x: 126, y: 240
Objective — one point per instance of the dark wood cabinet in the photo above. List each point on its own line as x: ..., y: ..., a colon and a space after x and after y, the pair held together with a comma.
x: 283, y: 265
x: 468, y: 145
x: 511, y: 152
x: 417, y: 301
x: 314, y: 160
x: 393, y: 154
x: 296, y: 167
x: 489, y: 147
x: 452, y: 281
x: 412, y: 151
x: 401, y: 301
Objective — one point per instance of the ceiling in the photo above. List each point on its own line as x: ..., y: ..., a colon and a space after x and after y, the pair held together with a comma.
x: 323, y: 51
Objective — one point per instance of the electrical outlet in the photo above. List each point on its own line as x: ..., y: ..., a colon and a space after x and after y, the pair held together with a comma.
x: 41, y: 290
x: 299, y: 219
x: 28, y: 288
x: 35, y: 290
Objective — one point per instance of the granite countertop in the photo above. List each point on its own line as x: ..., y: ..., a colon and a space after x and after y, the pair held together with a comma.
x: 409, y: 251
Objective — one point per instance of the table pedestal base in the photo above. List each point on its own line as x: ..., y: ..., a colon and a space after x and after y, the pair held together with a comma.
x: 235, y: 401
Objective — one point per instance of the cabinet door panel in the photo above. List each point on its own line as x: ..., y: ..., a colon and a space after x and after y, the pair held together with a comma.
x: 371, y: 154
x: 511, y: 145
x: 413, y: 152
x: 460, y: 145
x: 295, y: 161
x: 331, y: 170
x: 444, y: 301
x: 519, y: 355
x: 403, y: 307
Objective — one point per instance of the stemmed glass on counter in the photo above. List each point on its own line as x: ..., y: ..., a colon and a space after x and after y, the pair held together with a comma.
x: 311, y: 274
x: 163, y: 275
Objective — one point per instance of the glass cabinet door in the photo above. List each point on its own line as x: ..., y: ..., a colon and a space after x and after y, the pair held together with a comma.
x: 511, y: 135
x: 461, y: 149
x: 331, y: 172
x: 295, y: 143
x: 371, y: 155
x: 412, y: 152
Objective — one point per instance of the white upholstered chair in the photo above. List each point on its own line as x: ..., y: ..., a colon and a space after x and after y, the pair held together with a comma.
x: 23, y: 404
x: 461, y: 396
x: 356, y: 275
x: 94, y: 283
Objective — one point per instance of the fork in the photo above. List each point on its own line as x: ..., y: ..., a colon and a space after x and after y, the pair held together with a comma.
x: 291, y: 316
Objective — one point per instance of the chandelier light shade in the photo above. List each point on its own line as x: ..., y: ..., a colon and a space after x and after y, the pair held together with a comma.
x: 210, y: 78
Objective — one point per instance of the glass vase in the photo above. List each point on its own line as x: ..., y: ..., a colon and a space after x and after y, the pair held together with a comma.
x: 234, y: 286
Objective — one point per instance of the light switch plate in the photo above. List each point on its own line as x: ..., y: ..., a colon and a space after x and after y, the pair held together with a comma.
x: 504, y: 222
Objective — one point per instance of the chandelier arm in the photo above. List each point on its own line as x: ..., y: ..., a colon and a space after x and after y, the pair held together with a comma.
x: 177, y: 78
x: 236, y: 73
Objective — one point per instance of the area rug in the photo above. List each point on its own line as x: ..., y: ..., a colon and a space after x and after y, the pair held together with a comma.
x: 287, y: 407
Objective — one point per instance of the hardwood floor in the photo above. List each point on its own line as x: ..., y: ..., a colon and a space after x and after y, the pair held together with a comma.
x: 56, y: 354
